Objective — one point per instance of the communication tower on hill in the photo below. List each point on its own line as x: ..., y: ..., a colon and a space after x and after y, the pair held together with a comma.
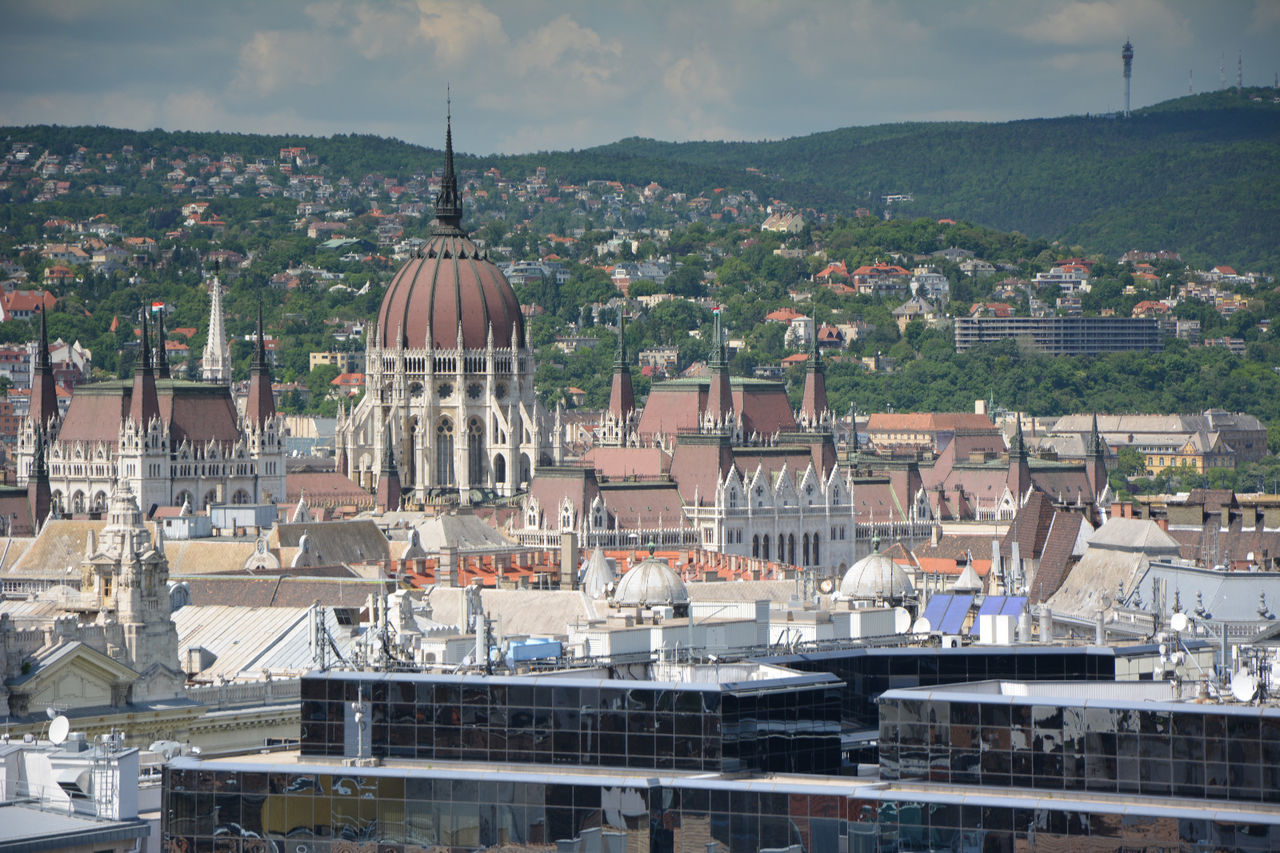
x: 1127, y: 55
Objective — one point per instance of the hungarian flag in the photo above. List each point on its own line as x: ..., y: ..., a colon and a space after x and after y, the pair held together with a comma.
x: 157, y: 307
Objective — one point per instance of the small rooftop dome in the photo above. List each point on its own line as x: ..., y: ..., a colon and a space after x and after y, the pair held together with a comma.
x: 651, y: 583
x: 876, y: 577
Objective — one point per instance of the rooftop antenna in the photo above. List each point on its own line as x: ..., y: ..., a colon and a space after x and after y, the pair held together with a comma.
x: 1239, y: 73
x: 1222, y: 71
x: 1190, y: 82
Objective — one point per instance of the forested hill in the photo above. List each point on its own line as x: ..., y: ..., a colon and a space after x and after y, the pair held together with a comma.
x: 1196, y: 174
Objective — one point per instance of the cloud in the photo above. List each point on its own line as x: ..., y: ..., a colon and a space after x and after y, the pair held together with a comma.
x: 695, y: 78
x: 459, y: 29
x: 1086, y: 21
x: 577, y: 54
x: 1266, y: 16
x: 275, y: 60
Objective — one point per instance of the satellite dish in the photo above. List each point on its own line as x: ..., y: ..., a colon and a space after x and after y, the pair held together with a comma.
x: 1244, y: 686
x: 922, y: 626
x: 59, y: 729
x: 901, y: 620
x: 1180, y: 622
x: 826, y: 585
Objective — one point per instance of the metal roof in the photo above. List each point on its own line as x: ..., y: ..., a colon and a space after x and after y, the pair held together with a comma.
x: 248, y: 640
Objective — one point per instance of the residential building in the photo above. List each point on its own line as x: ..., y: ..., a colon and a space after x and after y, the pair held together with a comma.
x: 1212, y: 439
x: 1063, y: 335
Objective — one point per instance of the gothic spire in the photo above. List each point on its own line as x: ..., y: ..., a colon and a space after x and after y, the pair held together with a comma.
x: 622, y: 397
x: 621, y: 357
x: 144, y: 405
x: 162, y: 355
x: 813, y: 403
x: 261, y: 404
x: 448, y: 219
x: 720, y: 394
x: 44, y: 394
x: 215, y: 365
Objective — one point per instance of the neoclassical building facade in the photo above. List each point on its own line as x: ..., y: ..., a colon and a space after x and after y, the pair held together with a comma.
x: 449, y: 399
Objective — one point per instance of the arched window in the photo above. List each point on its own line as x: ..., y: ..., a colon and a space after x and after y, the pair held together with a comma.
x: 210, y: 498
x: 806, y: 549
x: 499, y: 469
x: 77, y: 502
x: 475, y: 453
x: 241, y: 497
x: 814, y: 554
x: 755, y: 546
x: 792, y: 543
x: 444, y: 453
x: 764, y: 551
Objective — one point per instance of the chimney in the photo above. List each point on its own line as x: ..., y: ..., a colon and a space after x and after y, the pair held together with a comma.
x: 568, y: 560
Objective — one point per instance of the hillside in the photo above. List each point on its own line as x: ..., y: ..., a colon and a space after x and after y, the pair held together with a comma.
x: 1197, y: 173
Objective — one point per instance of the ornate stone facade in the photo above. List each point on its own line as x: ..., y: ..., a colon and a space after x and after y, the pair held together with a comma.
x: 173, y: 441
x: 449, y: 376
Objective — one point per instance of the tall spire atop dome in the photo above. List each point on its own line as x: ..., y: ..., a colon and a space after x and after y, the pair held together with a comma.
x: 448, y: 205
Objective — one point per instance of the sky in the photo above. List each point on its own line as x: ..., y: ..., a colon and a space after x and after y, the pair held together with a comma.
x: 533, y: 75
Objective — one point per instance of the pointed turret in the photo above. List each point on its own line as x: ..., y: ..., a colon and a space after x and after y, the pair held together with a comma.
x: 622, y: 398
x: 261, y: 405
x: 144, y: 404
x: 720, y: 395
x: 44, y: 393
x: 387, y: 498
x: 39, y: 495
x: 448, y: 204
x: 215, y: 365
x: 1095, y: 459
x: 813, y: 405
x: 1019, y: 479
x: 162, y: 355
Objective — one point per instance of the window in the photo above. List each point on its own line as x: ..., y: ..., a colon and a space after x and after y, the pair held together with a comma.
x: 444, y: 453
x: 475, y: 453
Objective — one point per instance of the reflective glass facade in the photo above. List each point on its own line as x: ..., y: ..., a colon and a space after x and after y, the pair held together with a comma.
x: 868, y: 672
x: 217, y: 806
x: 787, y: 725
x: 1163, y: 749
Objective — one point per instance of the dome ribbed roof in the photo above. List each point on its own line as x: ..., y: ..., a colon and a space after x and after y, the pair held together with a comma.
x: 448, y: 285
x: 876, y: 577
x: 650, y: 583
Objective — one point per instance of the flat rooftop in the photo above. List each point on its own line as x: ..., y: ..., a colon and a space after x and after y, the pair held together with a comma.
x: 1124, y: 695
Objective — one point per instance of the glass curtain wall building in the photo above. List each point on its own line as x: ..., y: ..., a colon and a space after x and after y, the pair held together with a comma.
x: 777, y: 721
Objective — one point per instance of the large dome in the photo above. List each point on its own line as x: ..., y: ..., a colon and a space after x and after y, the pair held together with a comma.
x: 448, y: 283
